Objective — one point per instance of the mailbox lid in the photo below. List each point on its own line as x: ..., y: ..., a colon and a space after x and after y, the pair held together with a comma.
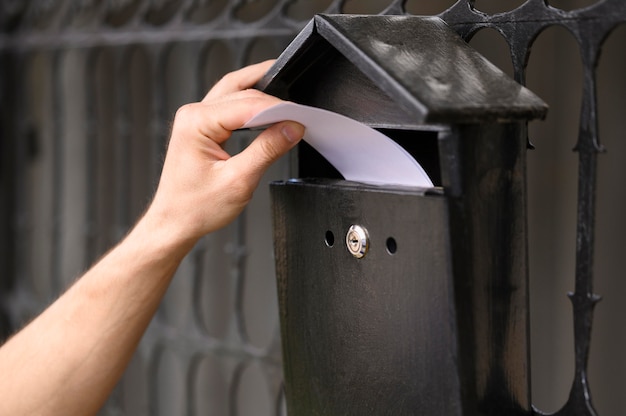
x: 411, y: 69
x: 371, y: 335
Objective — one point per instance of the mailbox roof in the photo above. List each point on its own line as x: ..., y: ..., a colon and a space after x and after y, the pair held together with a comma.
x: 419, y: 64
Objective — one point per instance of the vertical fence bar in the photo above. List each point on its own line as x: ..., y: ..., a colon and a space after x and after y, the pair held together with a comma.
x: 23, y: 220
x: 56, y: 109
x: 158, y: 57
x: 583, y: 299
x: 8, y: 189
x: 91, y: 136
x: 122, y: 140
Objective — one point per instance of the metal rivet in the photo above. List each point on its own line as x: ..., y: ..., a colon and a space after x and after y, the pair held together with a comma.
x: 357, y: 241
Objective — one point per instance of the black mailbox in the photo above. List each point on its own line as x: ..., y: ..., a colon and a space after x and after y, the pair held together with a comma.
x: 433, y: 318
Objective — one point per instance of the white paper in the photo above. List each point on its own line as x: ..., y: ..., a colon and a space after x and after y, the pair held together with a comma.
x: 358, y: 152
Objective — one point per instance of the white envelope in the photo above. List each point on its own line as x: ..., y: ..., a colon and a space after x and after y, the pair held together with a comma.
x: 358, y: 152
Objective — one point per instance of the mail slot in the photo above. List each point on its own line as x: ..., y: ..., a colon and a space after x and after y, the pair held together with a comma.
x: 399, y: 300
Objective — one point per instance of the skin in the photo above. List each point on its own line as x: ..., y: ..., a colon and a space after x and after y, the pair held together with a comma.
x: 67, y: 360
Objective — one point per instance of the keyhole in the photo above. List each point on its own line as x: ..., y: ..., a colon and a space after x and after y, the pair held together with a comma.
x: 357, y: 241
x: 354, y: 243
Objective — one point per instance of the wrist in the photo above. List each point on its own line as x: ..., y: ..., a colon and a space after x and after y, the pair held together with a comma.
x: 162, y: 230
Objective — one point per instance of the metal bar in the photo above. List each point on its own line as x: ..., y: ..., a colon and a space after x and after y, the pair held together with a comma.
x: 583, y: 299
x: 43, y: 41
x: 56, y: 108
x: 8, y: 190
x: 91, y: 136
x: 158, y: 57
x: 122, y: 140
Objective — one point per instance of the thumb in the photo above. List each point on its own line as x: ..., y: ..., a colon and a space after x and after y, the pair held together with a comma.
x: 268, y: 147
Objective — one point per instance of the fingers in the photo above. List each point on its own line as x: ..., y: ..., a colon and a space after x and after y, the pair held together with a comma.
x: 267, y: 148
x: 238, y: 80
x: 202, y: 187
x: 217, y: 119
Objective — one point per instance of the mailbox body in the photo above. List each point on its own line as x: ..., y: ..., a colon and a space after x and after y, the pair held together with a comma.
x: 374, y: 335
x: 440, y: 327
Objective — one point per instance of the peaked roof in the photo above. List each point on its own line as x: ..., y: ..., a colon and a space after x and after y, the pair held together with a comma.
x: 419, y: 64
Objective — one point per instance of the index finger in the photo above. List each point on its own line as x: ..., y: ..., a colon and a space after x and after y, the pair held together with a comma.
x: 239, y: 80
x: 217, y: 119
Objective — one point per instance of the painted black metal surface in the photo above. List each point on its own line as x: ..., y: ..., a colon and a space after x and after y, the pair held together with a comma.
x: 423, y: 71
x: 478, y: 231
x: 7, y: 207
x: 482, y: 166
x: 372, y: 335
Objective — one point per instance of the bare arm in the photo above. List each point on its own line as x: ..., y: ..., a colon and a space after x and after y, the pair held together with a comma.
x: 67, y: 361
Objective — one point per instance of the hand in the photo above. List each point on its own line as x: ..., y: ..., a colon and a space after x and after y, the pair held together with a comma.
x: 202, y: 187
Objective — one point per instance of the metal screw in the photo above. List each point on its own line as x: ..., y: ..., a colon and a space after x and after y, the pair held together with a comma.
x: 357, y: 241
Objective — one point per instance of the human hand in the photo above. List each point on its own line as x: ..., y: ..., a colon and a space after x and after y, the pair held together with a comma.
x: 203, y: 188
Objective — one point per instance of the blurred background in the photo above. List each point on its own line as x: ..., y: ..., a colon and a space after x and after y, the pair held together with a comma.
x: 88, y: 89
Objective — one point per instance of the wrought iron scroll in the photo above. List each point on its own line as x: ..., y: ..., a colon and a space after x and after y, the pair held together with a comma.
x: 590, y: 26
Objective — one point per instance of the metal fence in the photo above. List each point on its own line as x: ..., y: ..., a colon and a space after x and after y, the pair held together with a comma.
x: 87, y: 92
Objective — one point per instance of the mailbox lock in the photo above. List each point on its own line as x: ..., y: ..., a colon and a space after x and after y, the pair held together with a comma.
x: 357, y: 241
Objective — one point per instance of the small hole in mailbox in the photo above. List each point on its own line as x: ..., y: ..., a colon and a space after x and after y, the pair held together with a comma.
x: 392, y: 246
x: 329, y: 238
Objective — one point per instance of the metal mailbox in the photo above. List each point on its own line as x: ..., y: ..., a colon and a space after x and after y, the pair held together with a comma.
x: 403, y: 301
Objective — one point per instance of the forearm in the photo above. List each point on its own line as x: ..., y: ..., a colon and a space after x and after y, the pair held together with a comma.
x: 69, y: 358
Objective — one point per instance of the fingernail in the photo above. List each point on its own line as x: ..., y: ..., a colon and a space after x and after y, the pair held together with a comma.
x: 293, y: 131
